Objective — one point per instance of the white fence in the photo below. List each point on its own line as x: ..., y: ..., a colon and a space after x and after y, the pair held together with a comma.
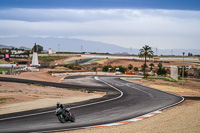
x: 83, y: 73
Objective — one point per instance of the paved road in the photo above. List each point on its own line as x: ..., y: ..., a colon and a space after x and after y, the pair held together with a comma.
x: 80, y: 61
x: 124, y: 100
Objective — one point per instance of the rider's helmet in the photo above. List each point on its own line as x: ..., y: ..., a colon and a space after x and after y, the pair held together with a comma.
x: 58, y: 104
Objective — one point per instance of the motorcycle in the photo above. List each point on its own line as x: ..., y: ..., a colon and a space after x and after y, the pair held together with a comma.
x: 64, y: 115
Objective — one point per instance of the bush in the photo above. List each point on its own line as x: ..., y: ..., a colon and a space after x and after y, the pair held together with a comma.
x: 130, y: 66
x: 185, y: 73
x: 135, y: 68
x: 71, y: 67
x: 144, y: 66
x: 94, y: 69
x: 122, y: 69
x: 162, y: 71
x: 106, y: 68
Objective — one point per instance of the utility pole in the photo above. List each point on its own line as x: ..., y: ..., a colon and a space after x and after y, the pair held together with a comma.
x: 131, y: 50
x: 156, y: 51
x: 171, y: 52
x: 58, y: 47
x: 183, y: 68
x: 81, y: 48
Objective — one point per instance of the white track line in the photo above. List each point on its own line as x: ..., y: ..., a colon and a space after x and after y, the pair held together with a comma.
x: 121, y: 94
x: 125, y: 121
x: 161, y: 91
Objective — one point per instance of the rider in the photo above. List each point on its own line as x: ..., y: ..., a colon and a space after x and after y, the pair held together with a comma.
x: 65, y: 110
x: 59, y: 105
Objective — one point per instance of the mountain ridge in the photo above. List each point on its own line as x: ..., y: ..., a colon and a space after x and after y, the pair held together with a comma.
x: 78, y: 45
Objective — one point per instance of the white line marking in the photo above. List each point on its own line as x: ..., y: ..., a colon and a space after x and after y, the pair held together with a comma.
x: 127, y: 84
x: 161, y: 91
x: 121, y: 94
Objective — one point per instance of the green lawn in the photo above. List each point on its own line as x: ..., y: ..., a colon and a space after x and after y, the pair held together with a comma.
x: 1, y: 70
x: 50, y: 58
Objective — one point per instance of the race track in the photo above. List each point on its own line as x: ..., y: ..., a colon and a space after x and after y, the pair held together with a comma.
x: 124, y: 100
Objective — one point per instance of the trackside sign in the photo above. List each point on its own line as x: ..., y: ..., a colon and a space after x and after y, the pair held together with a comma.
x: 7, y: 56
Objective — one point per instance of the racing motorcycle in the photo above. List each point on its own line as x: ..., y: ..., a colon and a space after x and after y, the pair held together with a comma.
x: 64, y: 115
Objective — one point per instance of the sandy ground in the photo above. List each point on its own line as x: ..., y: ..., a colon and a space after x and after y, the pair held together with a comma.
x: 42, y: 75
x: 189, y: 87
x: 138, y: 64
x: 182, y: 118
x: 15, y: 97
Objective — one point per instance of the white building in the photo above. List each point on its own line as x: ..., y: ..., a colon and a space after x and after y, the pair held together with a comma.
x: 17, y: 51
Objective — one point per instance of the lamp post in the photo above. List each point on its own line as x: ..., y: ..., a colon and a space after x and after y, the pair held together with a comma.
x: 183, y: 68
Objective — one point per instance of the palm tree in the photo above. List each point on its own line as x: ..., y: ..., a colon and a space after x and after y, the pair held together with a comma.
x: 146, y: 52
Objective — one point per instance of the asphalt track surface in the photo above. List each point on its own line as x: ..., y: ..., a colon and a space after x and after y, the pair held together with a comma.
x: 124, y: 100
x: 80, y: 61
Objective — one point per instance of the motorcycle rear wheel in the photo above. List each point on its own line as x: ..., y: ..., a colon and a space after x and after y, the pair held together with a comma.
x: 61, y: 118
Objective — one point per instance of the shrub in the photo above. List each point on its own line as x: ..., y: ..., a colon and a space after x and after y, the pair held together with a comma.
x: 135, y: 68
x: 162, y: 71
x: 94, y: 69
x: 106, y: 68
x: 130, y: 66
x: 122, y: 69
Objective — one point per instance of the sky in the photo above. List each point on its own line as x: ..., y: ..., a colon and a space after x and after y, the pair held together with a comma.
x: 165, y: 24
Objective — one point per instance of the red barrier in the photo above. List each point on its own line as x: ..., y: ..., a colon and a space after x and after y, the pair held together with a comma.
x: 130, y: 73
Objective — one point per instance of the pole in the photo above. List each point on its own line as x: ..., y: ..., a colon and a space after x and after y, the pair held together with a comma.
x: 58, y: 47
x: 183, y: 68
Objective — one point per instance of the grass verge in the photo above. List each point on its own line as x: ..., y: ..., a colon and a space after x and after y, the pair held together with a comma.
x: 1, y: 70
x: 50, y: 58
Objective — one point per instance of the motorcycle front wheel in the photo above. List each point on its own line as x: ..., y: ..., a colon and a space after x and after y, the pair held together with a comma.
x: 72, y: 118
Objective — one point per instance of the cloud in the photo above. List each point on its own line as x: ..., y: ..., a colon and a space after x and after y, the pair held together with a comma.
x: 129, y: 26
x: 80, y: 15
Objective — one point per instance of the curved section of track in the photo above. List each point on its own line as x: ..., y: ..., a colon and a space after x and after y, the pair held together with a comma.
x: 124, y: 100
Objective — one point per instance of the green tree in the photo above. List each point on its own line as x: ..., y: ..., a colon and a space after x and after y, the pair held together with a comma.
x: 71, y: 67
x: 151, y: 66
x: 106, y: 68
x: 162, y: 71
x: 160, y: 65
x: 130, y: 67
x: 38, y: 47
x: 185, y: 72
x: 135, y: 68
x: 146, y: 52
x: 122, y: 69
x: 94, y: 69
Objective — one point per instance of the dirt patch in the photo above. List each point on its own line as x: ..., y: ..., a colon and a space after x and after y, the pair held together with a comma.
x: 15, y: 97
x: 189, y: 87
x: 42, y: 75
x: 138, y: 63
